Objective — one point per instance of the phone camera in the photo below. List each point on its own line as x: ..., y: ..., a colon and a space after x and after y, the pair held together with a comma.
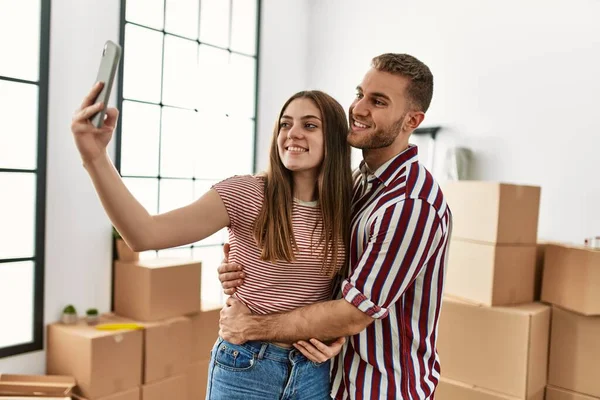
x: 104, y: 51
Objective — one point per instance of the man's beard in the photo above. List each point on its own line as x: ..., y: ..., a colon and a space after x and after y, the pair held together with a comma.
x: 382, y: 137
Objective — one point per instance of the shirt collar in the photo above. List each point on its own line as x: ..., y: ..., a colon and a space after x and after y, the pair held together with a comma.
x: 389, y: 171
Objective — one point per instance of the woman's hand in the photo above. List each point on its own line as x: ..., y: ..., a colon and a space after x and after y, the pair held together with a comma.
x: 230, y: 275
x: 320, y: 352
x: 91, y: 141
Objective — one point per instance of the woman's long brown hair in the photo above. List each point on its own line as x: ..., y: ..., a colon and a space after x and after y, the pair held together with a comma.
x: 273, y: 229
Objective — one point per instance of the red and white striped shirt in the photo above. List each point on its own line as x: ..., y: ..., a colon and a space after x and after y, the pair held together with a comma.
x: 398, y: 252
x: 281, y: 286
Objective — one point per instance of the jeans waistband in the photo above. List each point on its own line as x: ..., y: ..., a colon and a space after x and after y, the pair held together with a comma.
x: 273, y: 351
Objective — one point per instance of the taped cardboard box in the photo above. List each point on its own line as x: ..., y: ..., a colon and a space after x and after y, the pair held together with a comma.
x: 492, y: 275
x: 102, y: 362
x: 575, y: 352
x: 171, y: 388
x: 493, y: 212
x: 153, y: 290
x: 167, y: 346
x: 554, y: 393
x: 197, y: 380
x: 35, y: 386
x: 205, y: 331
x: 453, y: 390
x: 572, y: 278
x: 501, y: 349
x: 132, y: 394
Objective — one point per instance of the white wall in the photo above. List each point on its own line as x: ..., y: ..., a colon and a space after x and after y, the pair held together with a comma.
x: 283, y: 64
x: 78, y: 233
x: 516, y: 81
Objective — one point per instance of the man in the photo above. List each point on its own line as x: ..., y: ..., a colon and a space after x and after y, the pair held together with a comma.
x: 390, y: 302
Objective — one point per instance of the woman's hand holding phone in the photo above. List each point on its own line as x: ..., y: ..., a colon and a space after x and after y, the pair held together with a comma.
x: 91, y: 141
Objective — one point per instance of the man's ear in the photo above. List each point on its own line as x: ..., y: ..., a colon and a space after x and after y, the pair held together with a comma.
x: 413, y: 120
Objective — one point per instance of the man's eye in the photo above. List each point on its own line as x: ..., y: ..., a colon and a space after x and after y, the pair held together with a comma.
x: 359, y: 95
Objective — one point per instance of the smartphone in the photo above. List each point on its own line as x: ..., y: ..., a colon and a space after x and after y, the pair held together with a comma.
x: 111, y: 55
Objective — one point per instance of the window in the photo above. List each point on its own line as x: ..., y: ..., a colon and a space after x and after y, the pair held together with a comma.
x: 24, y: 36
x: 188, y: 107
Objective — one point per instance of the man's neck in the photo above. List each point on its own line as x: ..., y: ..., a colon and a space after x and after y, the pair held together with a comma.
x: 375, y: 158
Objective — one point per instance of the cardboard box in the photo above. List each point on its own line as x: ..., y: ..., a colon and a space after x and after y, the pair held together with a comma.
x: 540, y: 255
x: 554, y: 393
x: 167, y: 346
x: 48, y: 386
x: 575, y: 352
x: 132, y: 394
x: 493, y: 212
x: 502, y: 349
x: 492, y: 275
x: 453, y: 390
x: 102, y: 362
x: 171, y: 388
x: 205, y: 331
x: 153, y: 290
x: 197, y: 379
x: 572, y: 278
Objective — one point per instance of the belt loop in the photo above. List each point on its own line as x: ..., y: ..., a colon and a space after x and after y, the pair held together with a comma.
x: 263, y: 348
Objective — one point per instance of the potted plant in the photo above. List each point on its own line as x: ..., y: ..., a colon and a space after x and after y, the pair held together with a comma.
x: 124, y: 253
x: 91, y: 315
x: 69, y: 315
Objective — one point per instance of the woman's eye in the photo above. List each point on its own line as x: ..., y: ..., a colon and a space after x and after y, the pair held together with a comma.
x: 311, y: 126
x: 283, y: 125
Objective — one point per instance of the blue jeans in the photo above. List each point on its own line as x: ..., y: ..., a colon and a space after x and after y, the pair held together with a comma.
x: 264, y: 371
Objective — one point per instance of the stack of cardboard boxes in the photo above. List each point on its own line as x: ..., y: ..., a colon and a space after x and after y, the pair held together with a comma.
x: 167, y: 358
x: 572, y: 285
x: 493, y: 335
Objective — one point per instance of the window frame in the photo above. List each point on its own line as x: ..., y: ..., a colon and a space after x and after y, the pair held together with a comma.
x: 118, y: 132
x: 40, y: 206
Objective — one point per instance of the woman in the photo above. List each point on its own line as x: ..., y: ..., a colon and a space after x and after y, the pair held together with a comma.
x: 288, y: 228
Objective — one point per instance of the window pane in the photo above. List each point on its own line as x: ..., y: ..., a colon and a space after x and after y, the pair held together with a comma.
x: 16, y: 303
x: 142, y: 67
x: 146, y: 12
x: 213, y: 65
x: 242, y: 86
x: 182, y: 18
x: 241, y: 155
x: 17, y: 215
x: 243, y: 26
x: 220, y: 237
x: 178, y: 142
x: 214, y: 22
x: 180, y: 72
x: 175, y: 193
x: 145, y: 190
x: 148, y: 255
x: 18, y: 136
x: 212, y: 153
x: 20, y: 39
x: 211, y: 257
x: 185, y: 252
x: 140, y: 139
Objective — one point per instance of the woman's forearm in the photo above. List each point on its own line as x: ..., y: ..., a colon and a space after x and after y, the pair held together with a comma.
x: 129, y: 217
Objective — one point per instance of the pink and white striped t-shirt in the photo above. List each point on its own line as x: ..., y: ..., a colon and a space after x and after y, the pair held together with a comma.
x: 281, y: 286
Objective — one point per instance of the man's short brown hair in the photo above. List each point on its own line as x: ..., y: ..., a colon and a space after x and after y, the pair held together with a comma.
x: 420, y: 89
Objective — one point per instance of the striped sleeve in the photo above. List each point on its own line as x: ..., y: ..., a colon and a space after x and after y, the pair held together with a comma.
x: 402, y: 239
x: 241, y: 195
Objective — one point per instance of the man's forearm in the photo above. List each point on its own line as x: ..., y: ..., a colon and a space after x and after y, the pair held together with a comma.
x: 324, y: 321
